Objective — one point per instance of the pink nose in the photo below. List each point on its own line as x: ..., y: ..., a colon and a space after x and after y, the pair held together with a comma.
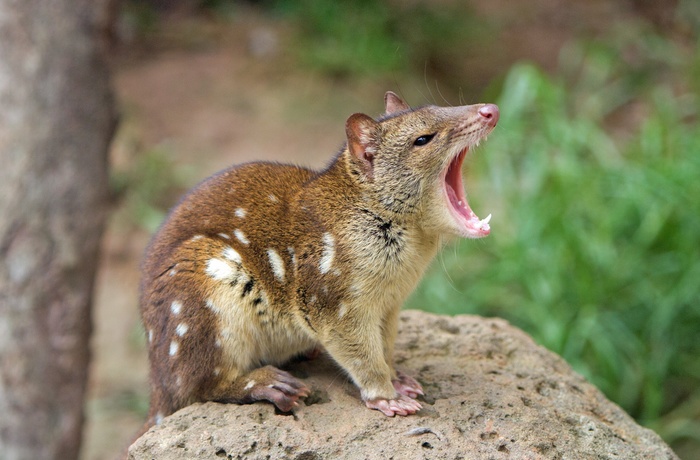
x: 491, y: 113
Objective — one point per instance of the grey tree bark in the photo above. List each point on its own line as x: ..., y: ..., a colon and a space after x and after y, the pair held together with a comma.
x: 56, y: 122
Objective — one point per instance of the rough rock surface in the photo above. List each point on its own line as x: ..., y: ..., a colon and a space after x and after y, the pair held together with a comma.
x: 491, y: 393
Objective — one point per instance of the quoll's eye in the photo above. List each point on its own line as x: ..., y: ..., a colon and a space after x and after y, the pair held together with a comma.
x: 424, y: 139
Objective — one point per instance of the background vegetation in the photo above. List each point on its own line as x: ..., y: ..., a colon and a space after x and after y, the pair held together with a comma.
x: 593, y: 178
x: 595, y: 245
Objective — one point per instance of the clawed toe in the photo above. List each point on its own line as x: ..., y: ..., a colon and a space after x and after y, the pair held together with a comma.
x: 390, y: 407
x: 280, y: 388
x: 407, y: 385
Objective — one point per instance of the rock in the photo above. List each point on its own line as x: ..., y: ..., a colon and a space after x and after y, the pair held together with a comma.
x: 491, y: 393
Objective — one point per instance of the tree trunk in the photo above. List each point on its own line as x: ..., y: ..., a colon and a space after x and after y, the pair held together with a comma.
x: 56, y: 122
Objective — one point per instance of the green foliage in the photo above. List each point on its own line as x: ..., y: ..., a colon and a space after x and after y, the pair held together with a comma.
x: 375, y: 37
x: 139, y: 17
x: 595, y: 247
x: 343, y: 38
x: 148, y: 187
x: 222, y: 8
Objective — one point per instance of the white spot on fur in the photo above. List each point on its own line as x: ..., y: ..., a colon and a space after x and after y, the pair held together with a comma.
x: 181, y: 329
x: 150, y: 335
x: 217, y: 370
x: 196, y: 237
x: 273, y: 198
x: 356, y: 289
x: 176, y: 307
x: 240, y: 236
x: 312, y: 299
x: 212, y: 306
x: 232, y: 255
x: 277, y: 264
x: 172, y: 272
x: 240, y: 212
x: 218, y: 345
x: 178, y: 380
x: 173, y: 348
x: 342, y: 310
x: 159, y: 418
x: 219, y: 269
x: 328, y: 253
x: 249, y: 385
x: 225, y: 236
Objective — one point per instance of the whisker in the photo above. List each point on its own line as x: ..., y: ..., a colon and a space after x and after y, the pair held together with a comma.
x: 425, y: 80
x: 437, y: 87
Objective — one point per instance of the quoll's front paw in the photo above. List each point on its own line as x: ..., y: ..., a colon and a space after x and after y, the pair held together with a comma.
x: 278, y: 387
x: 407, y: 385
x: 390, y: 407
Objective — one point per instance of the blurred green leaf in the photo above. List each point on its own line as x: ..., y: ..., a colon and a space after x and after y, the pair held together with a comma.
x: 595, y: 249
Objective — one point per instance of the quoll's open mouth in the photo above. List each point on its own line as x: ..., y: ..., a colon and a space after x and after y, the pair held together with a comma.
x: 472, y: 226
x: 469, y: 223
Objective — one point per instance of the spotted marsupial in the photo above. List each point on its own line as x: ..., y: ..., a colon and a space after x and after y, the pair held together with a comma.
x: 262, y: 262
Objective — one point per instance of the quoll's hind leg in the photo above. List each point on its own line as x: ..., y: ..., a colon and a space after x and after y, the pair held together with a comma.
x: 263, y: 384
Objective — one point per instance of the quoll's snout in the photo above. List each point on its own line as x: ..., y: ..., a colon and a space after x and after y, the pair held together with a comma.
x: 491, y: 113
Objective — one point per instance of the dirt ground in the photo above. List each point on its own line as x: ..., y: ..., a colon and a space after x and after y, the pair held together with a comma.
x: 210, y: 93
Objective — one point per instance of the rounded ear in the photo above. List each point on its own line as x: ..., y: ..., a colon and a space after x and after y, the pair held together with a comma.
x: 363, y: 140
x: 394, y: 103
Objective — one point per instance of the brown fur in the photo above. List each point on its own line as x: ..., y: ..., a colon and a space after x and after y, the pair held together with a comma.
x: 262, y: 262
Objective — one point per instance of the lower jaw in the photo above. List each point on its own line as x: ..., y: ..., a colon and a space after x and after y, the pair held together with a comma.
x: 475, y: 233
x: 469, y: 230
x: 467, y: 224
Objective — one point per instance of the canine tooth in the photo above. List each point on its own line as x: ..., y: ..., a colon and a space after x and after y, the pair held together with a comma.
x: 486, y: 220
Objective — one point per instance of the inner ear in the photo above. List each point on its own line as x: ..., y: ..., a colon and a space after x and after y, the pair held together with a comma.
x: 393, y: 103
x: 363, y: 139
